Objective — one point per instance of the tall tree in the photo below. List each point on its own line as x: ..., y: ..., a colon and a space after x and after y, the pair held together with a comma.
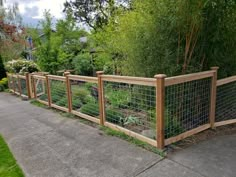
x: 95, y: 13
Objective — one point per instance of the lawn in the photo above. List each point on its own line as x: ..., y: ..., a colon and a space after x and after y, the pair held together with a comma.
x: 8, y: 164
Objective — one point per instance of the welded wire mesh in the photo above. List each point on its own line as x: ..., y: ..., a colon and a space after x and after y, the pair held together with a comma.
x: 131, y: 106
x: 85, y: 97
x: 58, y: 92
x: 187, y: 106
x: 41, y: 89
x: 16, y: 85
x: 23, y: 86
x: 226, y: 102
x: 10, y: 81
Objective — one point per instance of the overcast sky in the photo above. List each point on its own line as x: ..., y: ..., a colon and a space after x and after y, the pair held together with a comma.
x: 32, y: 10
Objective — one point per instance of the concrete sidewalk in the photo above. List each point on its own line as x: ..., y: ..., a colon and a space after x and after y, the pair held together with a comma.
x: 46, y: 144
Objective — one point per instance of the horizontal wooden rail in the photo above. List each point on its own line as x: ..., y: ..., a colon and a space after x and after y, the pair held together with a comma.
x: 226, y: 80
x: 85, y: 116
x: 41, y: 101
x: 188, y: 77
x: 186, y: 134
x: 130, y: 80
x: 131, y: 133
x: 22, y: 77
x: 39, y: 77
x: 59, y: 78
x: 83, y: 78
x: 59, y: 107
x: 226, y: 122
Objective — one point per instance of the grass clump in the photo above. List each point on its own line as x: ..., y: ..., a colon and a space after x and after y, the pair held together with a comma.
x: 132, y: 140
x: 8, y: 165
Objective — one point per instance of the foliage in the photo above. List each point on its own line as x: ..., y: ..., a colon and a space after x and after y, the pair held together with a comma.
x: 11, y: 32
x: 83, y: 64
x: 95, y: 13
x: 130, y: 120
x: 21, y: 66
x: 172, y: 126
x: 162, y: 37
x: 57, y: 48
x: 4, y: 83
x: 8, y: 165
x: 118, y: 97
x: 91, y: 109
x: 135, y: 141
x: 114, y: 116
x: 2, y: 69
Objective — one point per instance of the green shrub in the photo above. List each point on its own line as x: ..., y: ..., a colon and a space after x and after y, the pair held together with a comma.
x: 21, y: 66
x: 4, y: 82
x: 81, y: 94
x: 118, y: 98
x: 1, y: 88
x: 91, y: 109
x: 56, y: 98
x: 43, y: 97
x: 172, y: 126
x: 62, y: 102
x: 76, y: 103
x: 114, y: 116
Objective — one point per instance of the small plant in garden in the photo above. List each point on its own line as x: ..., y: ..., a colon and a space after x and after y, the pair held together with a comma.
x: 114, y: 116
x: 91, y: 109
x: 3, y: 84
x: 130, y: 120
x: 62, y: 102
x: 172, y: 126
x: 21, y: 66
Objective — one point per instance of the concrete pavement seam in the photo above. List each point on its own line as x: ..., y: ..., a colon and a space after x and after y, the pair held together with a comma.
x: 147, y: 168
x: 187, y: 167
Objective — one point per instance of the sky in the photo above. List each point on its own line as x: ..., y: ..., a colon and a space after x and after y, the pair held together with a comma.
x: 32, y: 10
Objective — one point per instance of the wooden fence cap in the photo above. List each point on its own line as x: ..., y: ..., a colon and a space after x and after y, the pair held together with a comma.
x: 214, y: 68
x: 160, y: 76
x: 99, y: 72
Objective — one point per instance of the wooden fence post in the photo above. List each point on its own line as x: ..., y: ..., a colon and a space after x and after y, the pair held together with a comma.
x: 48, y: 91
x: 160, y: 110
x: 68, y: 91
x: 28, y: 84
x: 213, y: 97
x: 101, y: 97
x: 19, y: 84
x: 34, y: 87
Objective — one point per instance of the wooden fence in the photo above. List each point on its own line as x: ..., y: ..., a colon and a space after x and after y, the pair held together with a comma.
x: 160, y: 110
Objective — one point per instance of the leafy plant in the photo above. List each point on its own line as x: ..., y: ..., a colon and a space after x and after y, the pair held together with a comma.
x: 21, y: 66
x: 76, y: 103
x: 172, y: 126
x: 62, y: 102
x: 130, y: 120
x: 114, y: 116
x: 118, y: 97
x: 91, y: 109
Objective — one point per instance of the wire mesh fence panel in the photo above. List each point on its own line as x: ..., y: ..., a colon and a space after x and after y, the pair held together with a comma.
x: 187, y: 106
x: 41, y: 89
x: 11, y: 82
x: 85, y: 97
x: 23, y: 86
x: 58, y: 93
x: 16, y: 84
x: 226, y: 102
x: 131, y: 106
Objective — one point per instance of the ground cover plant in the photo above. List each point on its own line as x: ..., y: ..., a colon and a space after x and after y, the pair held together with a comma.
x: 8, y: 165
